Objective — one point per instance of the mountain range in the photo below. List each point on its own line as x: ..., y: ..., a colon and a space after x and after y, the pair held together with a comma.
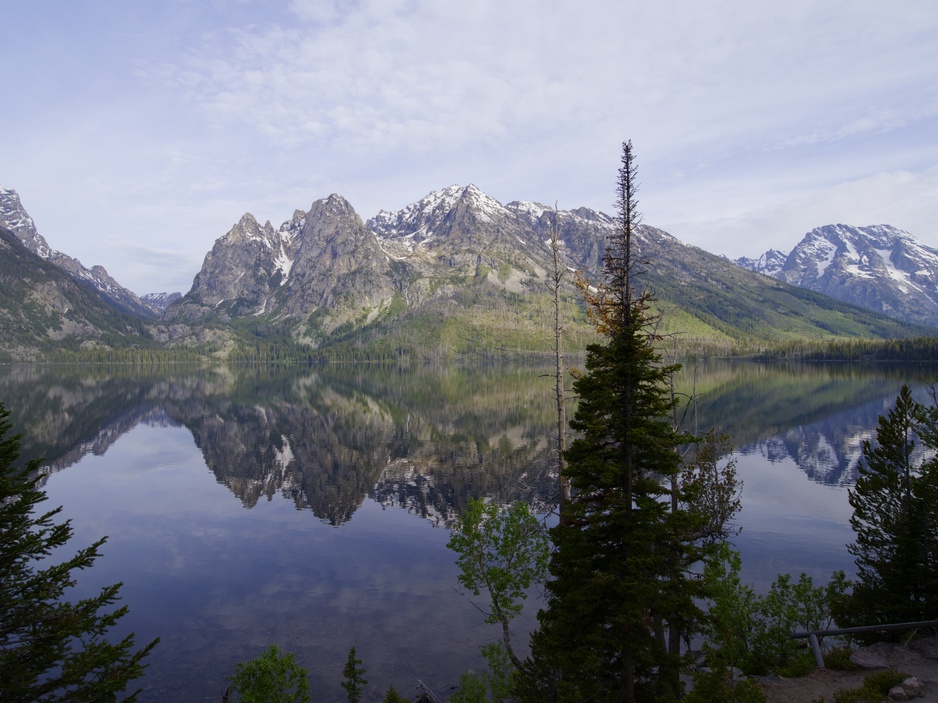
x: 879, y: 267
x: 15, y: 218
x: 457, y: 271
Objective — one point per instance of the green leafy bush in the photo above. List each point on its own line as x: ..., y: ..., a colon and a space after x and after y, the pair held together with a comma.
x: 716, y: 685
x: 838, y: 658
x: 754, y: 633
x: 472, y: 689
x: 271, y: 678
x: 875, y: 688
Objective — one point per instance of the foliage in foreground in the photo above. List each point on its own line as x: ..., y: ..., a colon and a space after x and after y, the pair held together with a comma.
x: 501, y: 552
x: 354, y: 680
x: 717, y: 685
x: 753, y: 632
x: 895, y: 518
x: 626, y: 588
x: 52, y: 649
x: 273, y: 677
x: 875, y: 688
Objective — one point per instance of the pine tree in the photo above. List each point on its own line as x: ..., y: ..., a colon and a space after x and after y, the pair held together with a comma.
x: 617, y: 583
x: 354, y: 677
x: 895, y: 518
x: 52, y: 649
x: 392, y: 696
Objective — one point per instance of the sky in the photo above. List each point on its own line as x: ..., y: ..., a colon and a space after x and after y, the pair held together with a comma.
x: 138, y: 132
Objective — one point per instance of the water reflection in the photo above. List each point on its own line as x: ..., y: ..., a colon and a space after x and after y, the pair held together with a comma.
x: 206, y: 480
x: 425, y: 439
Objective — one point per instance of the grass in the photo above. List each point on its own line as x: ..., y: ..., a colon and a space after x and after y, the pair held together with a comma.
x: 875, y: 688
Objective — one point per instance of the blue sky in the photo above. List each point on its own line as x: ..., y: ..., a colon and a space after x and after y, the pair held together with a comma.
x: 138, y: 132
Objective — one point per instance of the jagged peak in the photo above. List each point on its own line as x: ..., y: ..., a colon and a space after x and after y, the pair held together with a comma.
x: 247, y: 220
x: 247, y: 229
x: 532, y: 211
x: 11, y: 207
x: 292, y: 227
x: 14, y: 216
x: 436, y: 205
x: 528, y: 210
x: 473, y: 196
x: 770, y: 263
x: 335, y: 204
x: 881, y: 234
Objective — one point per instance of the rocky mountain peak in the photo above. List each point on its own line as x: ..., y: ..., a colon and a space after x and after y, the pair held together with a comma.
x: 160, y: 301
x: 15, y: 218
x: 294, y: 224
x: 879, y: 267
x: 436, y: 214
x: 770, y: 263
x: 333, y: 206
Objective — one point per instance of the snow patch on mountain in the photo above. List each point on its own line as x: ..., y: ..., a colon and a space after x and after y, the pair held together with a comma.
x: 283, y: 264
x: 420, y: 221
x: 878, y: 267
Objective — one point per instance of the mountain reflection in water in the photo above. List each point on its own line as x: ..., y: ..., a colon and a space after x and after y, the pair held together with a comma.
x: 142, y: 456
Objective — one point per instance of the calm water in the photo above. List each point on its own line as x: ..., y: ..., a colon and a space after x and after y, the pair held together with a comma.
x: 309, y: 508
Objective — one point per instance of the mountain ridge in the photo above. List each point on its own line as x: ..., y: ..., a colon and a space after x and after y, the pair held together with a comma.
x: 878, y: 267
x: 18, y: 221
x: 44, y: 308
x: 457, y: 253
x: 458, y: 271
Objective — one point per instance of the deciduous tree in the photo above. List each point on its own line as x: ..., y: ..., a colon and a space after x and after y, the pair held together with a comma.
x: 274, y: 677
x: 501, y: 552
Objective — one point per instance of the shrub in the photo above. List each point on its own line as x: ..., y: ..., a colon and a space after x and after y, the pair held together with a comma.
x: 271, y: 678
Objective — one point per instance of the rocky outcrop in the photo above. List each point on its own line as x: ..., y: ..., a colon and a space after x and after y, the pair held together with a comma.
x: 879, y: 267
x: 15, y: 218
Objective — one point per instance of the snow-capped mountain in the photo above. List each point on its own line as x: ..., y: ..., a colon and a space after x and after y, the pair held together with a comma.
x: 457, y: 270
x: 770, y: 263
x: 447, y: 261
x: 328, y: 262
x: 15, y: 218
x: 438, y: 214
x: 879, y: 267
x: 322, y: 260
x: 160, y: 301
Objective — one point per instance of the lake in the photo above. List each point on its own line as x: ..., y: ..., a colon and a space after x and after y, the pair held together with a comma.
x: 308, y: 507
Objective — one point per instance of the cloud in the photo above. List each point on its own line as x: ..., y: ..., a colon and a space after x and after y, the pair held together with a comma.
x: 900, y: 198
x: 178, y: 119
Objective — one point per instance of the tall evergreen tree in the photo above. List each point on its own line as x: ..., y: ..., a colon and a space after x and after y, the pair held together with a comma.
x: 895, y: 518
x: 52, y: 649
x: 621, y: 551
x: 353, y: 677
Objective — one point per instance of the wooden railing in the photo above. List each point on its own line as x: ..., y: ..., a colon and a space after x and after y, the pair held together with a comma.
x: 814, y: 634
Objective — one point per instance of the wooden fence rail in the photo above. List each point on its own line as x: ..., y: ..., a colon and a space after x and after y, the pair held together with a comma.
x: 816, y: 647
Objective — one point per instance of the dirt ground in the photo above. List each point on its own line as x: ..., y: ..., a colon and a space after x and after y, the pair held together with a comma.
x: 919, y: 659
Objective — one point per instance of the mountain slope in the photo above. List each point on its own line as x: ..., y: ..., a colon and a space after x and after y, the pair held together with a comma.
x: 454, y: 272
x: 44, y: 309
x: 879, y: 267
x: 15, y: 218
x: 459, y: 271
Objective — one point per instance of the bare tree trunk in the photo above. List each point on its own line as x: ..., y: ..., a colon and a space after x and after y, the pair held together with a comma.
x: 560, y: 392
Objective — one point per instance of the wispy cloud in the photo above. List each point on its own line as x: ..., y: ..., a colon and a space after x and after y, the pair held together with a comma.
x: 180, y: 116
